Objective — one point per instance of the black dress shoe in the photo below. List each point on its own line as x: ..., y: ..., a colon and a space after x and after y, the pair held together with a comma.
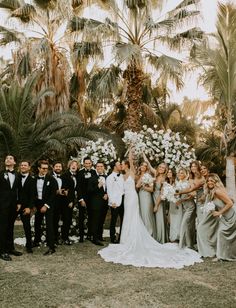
x: 49, y: 252
x: 29, y: 250
x: 114, y: 242
x: 5, y: 257
x: 15, y: 253
x: 97, y: 243
x: 67, y: 242
x: 36, y: 244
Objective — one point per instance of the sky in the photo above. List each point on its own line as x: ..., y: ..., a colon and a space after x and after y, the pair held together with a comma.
x: 191, y: 89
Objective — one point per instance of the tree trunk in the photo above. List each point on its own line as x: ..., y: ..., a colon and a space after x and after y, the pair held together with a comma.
x: 134, y: 77
x: 230, y: 177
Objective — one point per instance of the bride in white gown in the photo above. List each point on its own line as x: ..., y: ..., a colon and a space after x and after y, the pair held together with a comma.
x: 136, y: 246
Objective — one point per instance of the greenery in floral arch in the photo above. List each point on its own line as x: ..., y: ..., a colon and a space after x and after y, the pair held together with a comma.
x: 160, y: 146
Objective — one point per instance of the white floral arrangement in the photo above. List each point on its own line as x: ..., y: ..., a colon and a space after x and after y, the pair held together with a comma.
x: 101, y: 149
x: 147, y: 179
x: 161, y: 146
x: 168, y: 192
x: 208, y: 207
x: 181, y: 185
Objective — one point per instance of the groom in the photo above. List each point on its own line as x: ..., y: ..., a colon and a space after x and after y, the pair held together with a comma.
x: 115, y: 192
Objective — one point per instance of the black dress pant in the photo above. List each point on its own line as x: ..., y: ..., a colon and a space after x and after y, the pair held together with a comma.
x: 82, y: 215
x: 104, y: 214
x: 49, y: 225
x: 27, y: 228
x: 115, y: 212
x: 7, y: 220
x: 96, y: 222
x: 64, y: 213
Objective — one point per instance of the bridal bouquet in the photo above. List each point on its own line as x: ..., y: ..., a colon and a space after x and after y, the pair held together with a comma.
x: 181, y: 185
x: 208, y: 207
x: 168, y: 192
x: 160, y: 145
x: 147, y: 179
x: 99, y: 150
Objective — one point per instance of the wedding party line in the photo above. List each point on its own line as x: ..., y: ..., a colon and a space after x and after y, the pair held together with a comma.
x: 168, y: 217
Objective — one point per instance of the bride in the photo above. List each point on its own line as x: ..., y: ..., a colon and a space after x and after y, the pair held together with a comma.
x: 136, y: 246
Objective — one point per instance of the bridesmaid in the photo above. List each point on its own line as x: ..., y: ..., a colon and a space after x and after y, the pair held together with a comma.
x: 175, y: 212
x: 159, y: 206
x: 197, y: 180
x: 225, y: 217
x: 187, y: 228
x: 145, y: 199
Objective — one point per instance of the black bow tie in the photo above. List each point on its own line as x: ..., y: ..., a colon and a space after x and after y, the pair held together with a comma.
x: 58, y: 175
x: 101, y: 175
x: 11, y: 171
x: 23, y: 176
x: 41, y: 178
x: 118, y: 174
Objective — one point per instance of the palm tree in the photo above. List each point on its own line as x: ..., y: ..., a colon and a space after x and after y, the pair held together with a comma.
x: 40, y: 46
x: 59, y: 135
x: 217, y: 58
x: 137, y: 41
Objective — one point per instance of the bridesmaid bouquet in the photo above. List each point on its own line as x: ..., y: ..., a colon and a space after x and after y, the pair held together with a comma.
x: 147, y: 179
x: 168, y: 192
x: 208, y: 207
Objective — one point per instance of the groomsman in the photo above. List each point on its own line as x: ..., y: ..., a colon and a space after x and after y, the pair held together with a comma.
x: 65, y: 199
x: 8, y: 206
x: 115, y: 191
x: 46, y: 188
x: 26, y: 200
x: 98, y: 201
x: 83, y: 196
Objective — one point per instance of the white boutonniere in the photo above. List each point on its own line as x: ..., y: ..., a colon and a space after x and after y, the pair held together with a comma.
x: 5, y: 176
x: 87, y: 175
x: 48, y: 183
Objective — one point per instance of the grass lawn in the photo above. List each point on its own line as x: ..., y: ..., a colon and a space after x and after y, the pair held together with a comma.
x: 75, y: 276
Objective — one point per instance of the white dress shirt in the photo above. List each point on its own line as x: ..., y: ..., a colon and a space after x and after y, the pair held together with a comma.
x: 115, y: 188
x: 40, y: 183
x: 11, y: 177
x: 23, y: 179
x: 58, y: 179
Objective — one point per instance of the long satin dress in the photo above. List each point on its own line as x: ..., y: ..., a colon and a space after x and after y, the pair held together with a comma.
x: 226, y: 234
x: 146, y: 211
x: 175, y: 217
x: 187, y: 229
x: 199, y: 205
x: 160, y: 217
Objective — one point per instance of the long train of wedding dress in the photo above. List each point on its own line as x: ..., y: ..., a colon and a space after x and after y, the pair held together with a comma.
x: 137, y: 247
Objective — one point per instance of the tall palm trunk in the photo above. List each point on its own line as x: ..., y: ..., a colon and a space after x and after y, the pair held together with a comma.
x: 134, y: 77
x: 230, y: 177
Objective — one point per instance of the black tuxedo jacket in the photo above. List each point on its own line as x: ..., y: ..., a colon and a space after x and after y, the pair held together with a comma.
x: 50, y: 188
x: 68, y: 184
x: 96, y: 194
x: 27, y: 192
x: 8, y: 195
x: 82, y: 183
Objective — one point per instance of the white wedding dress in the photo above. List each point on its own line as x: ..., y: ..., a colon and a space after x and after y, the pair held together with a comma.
x: 137, y: 247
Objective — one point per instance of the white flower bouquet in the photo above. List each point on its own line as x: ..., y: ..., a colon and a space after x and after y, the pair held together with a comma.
x: 208, y: 207
x: 160, y: 145
x: 99, y: 150
x: 147, y: 179
x: 168, y: 192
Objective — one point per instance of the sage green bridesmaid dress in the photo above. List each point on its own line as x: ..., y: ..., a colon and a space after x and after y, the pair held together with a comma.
x: 160, y: 217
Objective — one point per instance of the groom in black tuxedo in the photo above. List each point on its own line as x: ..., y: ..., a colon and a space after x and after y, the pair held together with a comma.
x: 46, y: 188
x: 83, y: 196
x: 98, y: 202
x: 26, y: 200
x: 8, y: 206
x: 65, y: 199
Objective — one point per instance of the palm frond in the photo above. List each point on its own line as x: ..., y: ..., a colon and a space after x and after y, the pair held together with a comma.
x: 24, y: 13
x: 10, y: 4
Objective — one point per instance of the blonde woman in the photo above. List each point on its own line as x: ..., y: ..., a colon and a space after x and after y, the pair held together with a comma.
x: 217, y: 232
